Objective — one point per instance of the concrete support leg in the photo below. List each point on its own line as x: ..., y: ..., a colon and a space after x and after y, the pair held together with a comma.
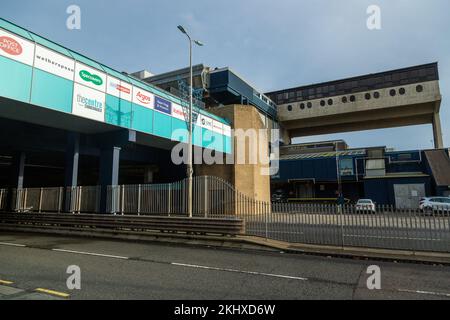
x: 71, y: 167
x: 109, y: 172
x: 437, y: 131
x: 17, y: 177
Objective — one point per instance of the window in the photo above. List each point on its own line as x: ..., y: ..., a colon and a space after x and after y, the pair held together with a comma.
x: 309, y: 105
x: 289, y: 107
x: 344, y: 100
x: 402, y: 91
x: 330, y: 102
x: 352, y: 98
x: 368, y: 96
x: 322, y: 103
x: 302, y: 106
x: 376, y: 95
x: 393, y: 93
x: 419, y: 88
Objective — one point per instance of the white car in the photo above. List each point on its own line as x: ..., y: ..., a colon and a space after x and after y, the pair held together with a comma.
x: 365, y: 205
x: 435, y: 203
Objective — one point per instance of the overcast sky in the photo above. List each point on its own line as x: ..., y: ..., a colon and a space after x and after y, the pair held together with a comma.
x: 272, y: 44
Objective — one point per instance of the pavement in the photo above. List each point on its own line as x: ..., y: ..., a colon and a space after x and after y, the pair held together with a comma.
x: 112, y: 269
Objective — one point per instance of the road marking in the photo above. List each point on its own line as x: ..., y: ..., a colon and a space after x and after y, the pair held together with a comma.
x: 239, y: 271
x: 442, y: 294
x: 91, y: 254
x: 53, y: 292
x: 6, y: 282
x: 12, y: 244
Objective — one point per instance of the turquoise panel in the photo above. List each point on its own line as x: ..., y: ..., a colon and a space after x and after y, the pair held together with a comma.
x: 227, y: 146
x: 118, y: 111
x: 15, y: 80
x: 162, y: 125
x: 212, y: 140
x: 51, y: 91
x: 180, y: 130
x: 142, y: 119
x: 197, y: 138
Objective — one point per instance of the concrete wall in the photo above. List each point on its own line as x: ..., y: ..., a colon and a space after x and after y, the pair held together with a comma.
x: 247, y: 178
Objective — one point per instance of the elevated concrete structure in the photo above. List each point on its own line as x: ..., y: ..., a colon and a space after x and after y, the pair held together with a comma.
x: 403, y: 97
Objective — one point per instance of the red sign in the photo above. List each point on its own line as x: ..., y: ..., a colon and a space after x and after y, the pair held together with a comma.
x: 143, y: 98
x: 123, y: 89
x: 10, y: 46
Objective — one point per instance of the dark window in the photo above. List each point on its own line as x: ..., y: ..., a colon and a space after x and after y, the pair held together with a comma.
x: 419, y: 88
x: 368, y: 96
x: 352, y: 98
x: 322, y: 103
x: 309, y: 105
x: 393, y: 93
x: 330, y: 102
x: 344, y: 99
x: 376, y: 95
x: 402, y: 91
x: 289, y: 107
x: 302, y: 106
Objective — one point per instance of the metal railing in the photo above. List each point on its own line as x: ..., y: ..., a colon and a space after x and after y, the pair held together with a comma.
x: 214, y: 198
x: 79, y: 199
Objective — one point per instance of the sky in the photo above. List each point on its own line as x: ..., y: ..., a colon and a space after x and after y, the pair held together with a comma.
x: 274, y: 44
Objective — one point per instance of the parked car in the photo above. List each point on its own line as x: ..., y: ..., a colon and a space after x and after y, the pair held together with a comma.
x: 365, y: 205
x: 431, y: 204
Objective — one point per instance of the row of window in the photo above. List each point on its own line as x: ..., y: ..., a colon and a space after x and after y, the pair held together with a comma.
x: 351, y: 86
x: 352, y: 98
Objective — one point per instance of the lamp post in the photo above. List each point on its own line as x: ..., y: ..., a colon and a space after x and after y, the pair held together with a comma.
x: 190, y: 162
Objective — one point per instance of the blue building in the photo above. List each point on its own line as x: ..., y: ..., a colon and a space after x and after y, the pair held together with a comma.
x: 316, y: 171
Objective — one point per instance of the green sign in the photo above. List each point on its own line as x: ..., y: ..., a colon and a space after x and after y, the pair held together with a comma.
x: 89, y: 77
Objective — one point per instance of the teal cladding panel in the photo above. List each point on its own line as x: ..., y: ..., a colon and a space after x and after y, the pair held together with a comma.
x: 15, y: 80
x: 142, y: 119
x: 180, y: 130
x: 50, y: 91
x: 118, y: 111
x: 162, y: 125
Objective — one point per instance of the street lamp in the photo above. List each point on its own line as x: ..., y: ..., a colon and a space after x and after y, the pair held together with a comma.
x: 189, y: 164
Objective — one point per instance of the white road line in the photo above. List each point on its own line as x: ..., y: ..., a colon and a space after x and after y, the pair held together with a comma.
x: 91, y: 254
x: 12, y: 244
x: 239, y: 271
x: 442, y: 294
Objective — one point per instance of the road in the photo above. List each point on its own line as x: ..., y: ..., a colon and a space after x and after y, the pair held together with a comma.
x: 130, y: 270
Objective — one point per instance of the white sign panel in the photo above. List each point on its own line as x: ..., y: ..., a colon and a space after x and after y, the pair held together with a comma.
x: 88, y: 103
x: 178, y: 112
x: 143, y: 98
x: 217, y: 127
x: 206, y: 122
x: 54, y: 63
x: 227, y: 130
x: 90, y: 77
x: 126, y: 91
x: 113, y: 86
x: 16, y: 48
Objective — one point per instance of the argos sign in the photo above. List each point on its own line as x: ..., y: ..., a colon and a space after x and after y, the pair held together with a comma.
x: 142, y: 98
x: 16, y: 48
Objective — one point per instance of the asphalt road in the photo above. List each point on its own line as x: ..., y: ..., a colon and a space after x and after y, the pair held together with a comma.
x: 129, y: 270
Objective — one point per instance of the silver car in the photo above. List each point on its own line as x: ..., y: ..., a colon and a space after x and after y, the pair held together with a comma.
x: 435, y: 204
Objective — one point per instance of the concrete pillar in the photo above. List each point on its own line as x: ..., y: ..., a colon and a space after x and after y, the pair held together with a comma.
x: 437, y: 131
x: 71, y: 166
x: 109, y: 172
x: 17, y: 176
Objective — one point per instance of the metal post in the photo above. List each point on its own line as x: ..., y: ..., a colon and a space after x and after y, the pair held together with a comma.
x: 40, y: 199
x: 189, y: 167
x: 139, y: 200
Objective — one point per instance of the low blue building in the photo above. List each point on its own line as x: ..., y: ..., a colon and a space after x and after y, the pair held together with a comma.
x: 317, y: 171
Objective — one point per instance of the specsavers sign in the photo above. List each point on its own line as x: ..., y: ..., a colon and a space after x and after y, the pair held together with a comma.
x: 90, y: 77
